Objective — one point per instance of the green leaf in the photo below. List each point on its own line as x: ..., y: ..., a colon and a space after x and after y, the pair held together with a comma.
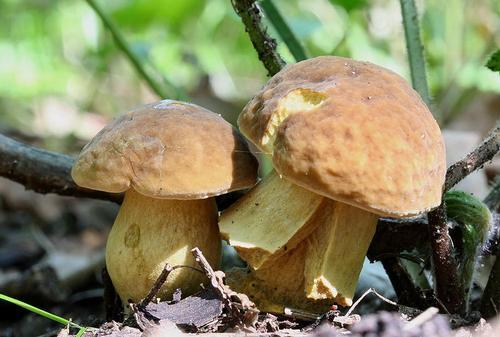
x: 493, y: 63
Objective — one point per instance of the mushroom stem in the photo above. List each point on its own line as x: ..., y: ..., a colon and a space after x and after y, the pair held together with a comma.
x: 270, y: 219
x: 150, y: 232
x: 335, y: 253
x: 322, y: 269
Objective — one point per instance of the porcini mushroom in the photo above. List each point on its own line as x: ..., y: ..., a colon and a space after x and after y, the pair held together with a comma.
x: 356, y: 142
x: 170, y: 158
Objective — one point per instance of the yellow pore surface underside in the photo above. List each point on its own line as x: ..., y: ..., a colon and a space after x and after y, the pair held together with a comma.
x: 269, y: 220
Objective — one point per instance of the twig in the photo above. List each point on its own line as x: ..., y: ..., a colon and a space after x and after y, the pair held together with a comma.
x: 415, y: 49
x: 449, y: 289
x: 474, y: 160
x: 262, y: 42
x: 214, y: 281
x: 366, y: 293
x: 241, y: 318
x: 156, y: 286
x: 284, y: 31
x: 160, y: 281
x: 407, y: 293
x: 43, y: 171
x: 163, y: 92
x: 425, y: 316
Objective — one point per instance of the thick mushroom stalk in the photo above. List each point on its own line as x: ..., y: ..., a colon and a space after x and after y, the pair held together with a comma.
x: 335, y: 252
x: 321, y: 269
x: 149, y: 232
x: 360, y: 139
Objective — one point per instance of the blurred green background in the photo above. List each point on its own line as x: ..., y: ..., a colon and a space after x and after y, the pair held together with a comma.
x: 62, y: 76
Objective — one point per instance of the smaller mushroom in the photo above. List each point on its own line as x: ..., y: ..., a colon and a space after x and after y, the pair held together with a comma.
x: 170, y: 158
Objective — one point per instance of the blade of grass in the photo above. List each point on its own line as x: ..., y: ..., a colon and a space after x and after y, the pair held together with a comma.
x: 40, y: 312
x: 81, y: 332
x: 415, y: 49
x: 284, y: 31
x: 168, y: 90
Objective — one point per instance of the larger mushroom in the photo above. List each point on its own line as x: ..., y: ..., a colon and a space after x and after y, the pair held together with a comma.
x: 350, y: 141
x: 170, y: 158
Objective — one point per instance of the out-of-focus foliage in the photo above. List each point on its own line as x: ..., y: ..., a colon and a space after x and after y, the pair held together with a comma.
x: 60, y: 71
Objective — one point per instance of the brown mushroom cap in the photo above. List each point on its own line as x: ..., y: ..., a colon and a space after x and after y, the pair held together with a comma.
x: 351, y: 131
x: 168, y: 149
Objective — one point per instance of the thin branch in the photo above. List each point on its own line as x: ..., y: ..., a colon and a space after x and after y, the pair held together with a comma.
x: 415, y: 49
x: 160, y: 281
x: 265, y: 46
x: 474, y: 160
x: 43, y: 171
x: 167, y: 269
x: 218, y: 286
x: 169, y: 90
x: 366, y: 293
x: 284, y: 31
x: 448, y: 286
x: 406, y: 291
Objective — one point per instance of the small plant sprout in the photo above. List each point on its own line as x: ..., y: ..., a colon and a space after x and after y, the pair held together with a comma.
x: 474, y: 219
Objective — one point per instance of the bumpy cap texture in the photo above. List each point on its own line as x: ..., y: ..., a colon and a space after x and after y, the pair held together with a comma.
x: 351, y: 131
x: 168, y: 149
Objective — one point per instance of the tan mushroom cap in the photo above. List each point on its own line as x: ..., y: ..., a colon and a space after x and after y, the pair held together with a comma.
x: 351, y: 131
x: 168, y: 149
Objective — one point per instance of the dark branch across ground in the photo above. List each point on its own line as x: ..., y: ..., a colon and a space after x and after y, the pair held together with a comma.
x: 43, y: 171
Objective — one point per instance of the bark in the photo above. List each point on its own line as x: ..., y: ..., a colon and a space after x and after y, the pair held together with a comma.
x: 265, y: 46
x: 43, y: 171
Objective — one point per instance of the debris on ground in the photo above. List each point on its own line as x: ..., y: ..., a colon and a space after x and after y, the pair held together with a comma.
x: 218, y: 311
